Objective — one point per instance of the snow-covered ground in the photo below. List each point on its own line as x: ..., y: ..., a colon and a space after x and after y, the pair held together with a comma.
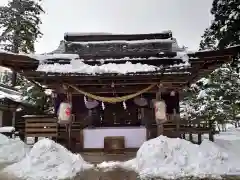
x: 11, y: 150
x: 160, y: 157
x: 48, y: 160
x: 170, y: 158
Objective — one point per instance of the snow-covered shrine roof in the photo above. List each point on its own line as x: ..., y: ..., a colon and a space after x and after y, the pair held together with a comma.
x: 10, y: 94
x: 81, y: 58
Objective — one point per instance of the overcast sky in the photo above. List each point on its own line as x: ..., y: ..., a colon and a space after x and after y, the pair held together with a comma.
x: 186, y: 18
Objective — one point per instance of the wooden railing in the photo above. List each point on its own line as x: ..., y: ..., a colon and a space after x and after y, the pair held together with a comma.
x: 45, y: 128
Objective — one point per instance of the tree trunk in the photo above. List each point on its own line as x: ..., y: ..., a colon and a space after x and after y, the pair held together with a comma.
x: 219, y: 129
x: 16, y: 45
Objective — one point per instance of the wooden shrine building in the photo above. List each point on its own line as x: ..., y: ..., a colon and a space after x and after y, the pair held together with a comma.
x: 10, y: 100
x: 111, y: 81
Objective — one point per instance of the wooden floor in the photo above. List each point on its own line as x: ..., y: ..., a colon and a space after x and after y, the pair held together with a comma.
x: 98, y: 157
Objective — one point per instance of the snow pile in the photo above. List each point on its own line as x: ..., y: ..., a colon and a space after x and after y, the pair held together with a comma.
x: 130, y: 165
x: 174, y: 158
x: 48, y: 160
x: 77, y: 66
x: 11, y: 150
x: 111, y: 165
x: 6, y: 129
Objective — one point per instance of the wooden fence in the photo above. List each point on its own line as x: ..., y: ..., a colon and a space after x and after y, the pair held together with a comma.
x: 46, y: 127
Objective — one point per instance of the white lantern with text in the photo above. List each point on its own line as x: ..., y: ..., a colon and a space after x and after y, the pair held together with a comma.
x: 64, y: 113
x: 160, y: 111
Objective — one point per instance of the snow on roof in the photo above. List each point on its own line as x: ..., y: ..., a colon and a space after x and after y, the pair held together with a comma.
x: 7, y: 129
x: 57, y: 54
x: 10, y: 94
x: 77, y: 66
x: 43, y: 57
x: 145, y: 41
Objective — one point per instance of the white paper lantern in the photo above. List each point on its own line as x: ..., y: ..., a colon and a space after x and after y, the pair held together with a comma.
x: 160, y: 111
x: 140, y: 101
x: 91, y: 104
x: 64, y: 113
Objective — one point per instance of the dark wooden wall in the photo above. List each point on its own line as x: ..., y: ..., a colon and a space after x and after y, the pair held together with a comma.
x: 7, y: 118
x: 115, y: 114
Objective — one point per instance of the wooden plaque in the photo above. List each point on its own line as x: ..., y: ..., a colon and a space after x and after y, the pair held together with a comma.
x: 114, y: 144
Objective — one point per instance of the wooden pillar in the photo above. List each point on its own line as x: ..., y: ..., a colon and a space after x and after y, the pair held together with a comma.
x: 69, y: 98
x: 14, y: 118
x: 199, y: 138
x: 160, y: 127
x: 199, y: 135
x: 190, y: 137
x: 68, y: 126
x: 177, y: 121
x: 211, y: 135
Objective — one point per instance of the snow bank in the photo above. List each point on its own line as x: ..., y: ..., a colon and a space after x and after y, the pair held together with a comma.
x: 11, y: 150
x: 129, y: 165
x: 109, y: 165
x: 174, y: 158
x: 48, y: 160
x: 7, y: 129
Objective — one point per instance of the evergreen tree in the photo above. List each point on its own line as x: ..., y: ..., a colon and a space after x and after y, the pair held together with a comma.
x: 19, y: 23
x: 19, y: 27
x: 223, y: 86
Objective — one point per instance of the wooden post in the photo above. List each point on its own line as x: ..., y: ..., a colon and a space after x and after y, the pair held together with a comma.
x: 160, y: 129
x: 69, y: 126
x: 14, y: 118
x: 199, y: 135
x: 211, y: 138
x: 190, y: 137
x: 177, y: 121
x: 143, y: 117
x: 199, y: 138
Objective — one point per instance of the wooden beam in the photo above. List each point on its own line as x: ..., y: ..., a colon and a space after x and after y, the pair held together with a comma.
x: 77, y: 37
x: 152, y: 61
x: 120, y: 80
x: 120, y: 90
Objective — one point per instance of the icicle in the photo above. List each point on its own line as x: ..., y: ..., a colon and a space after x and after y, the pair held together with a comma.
x: 124, y: 105
x: 103, y: 106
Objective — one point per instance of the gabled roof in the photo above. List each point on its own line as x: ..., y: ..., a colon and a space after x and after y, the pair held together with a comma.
x: 133, y: 59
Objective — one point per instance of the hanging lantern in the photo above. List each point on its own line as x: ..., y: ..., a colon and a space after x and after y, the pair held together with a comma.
x: 160, y: 111
x: 90, y: 104
x: 64, y: 113
x: 140, y: 101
